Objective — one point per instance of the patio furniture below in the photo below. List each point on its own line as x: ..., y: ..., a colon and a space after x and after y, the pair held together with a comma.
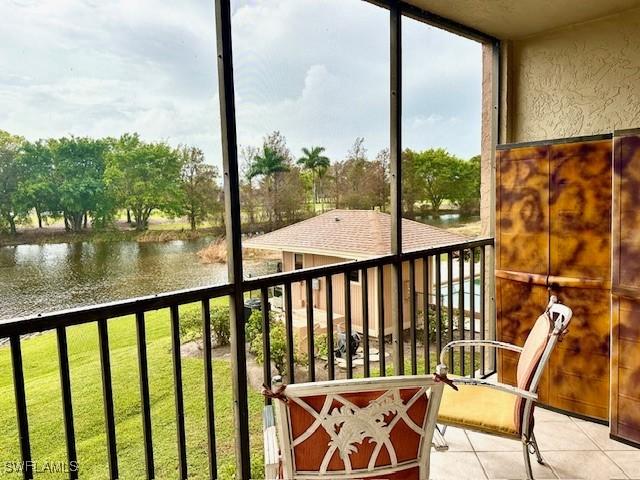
x: 299, y: 317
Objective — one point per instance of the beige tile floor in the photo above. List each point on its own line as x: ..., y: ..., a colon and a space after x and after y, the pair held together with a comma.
x: 572, y: 448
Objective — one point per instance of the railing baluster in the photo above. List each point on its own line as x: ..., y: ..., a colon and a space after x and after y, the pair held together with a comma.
x: 397, y: 313
x: 266, y: 340
x: 365, y: 321
x: 330, y: 348
x: 21, y: 406
x: 380, y: 292
x: 425, y: 313
x: 107, y: 398
x: 472, y: 308
x: 450, y: 305
x: 208, y: 388
x: 289, y: 328
x: 310, y: 343
x: 67, y: 404
x: 461, y: 324
x: 438, y: 263
x: 482, y: 307
x: 347, y: 323
x: 179, y: 398
x: 412, y: 316
x: 143, y: 371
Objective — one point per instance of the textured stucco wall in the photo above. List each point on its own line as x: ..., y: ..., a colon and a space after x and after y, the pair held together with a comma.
x: 487, y: 218
x: 580, y: 80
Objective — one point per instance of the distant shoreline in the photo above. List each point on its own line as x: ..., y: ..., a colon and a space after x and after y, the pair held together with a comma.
x: 36, y: 236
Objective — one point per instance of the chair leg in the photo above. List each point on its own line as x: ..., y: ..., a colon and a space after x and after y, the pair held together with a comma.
x: 527, y: 460
x: 439, y: 443
x: 536, y: 449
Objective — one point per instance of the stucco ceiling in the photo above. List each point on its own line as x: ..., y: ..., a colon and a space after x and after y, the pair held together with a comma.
x: 509, y: 19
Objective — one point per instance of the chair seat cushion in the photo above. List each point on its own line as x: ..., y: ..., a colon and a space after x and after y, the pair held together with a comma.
x: 479, y: 408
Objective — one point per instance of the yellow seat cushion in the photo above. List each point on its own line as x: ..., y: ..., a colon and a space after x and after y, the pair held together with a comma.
x: 479, y: 408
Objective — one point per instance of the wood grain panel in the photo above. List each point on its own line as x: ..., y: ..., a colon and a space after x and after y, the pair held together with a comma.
x: 625, y: 369
x: 626, y: 221
x: 627, y: 424
x: 519, y: 305
x: 579, y: 246
x: 553, y: 225
x: 625, y: 327
x: 523, y: 211
x: 580, y: 210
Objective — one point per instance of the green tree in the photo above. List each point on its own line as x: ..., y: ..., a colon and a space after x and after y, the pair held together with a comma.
x: 413, y: 183
x: 465, y: 192
x: 38, y: 188
x: 269, y: 165
x: 276, y: 141
x: 383, y: 186
x: 11, y: 174
x: 357, y: 182
x: 248, y: 194
x: 78, y: 165
x: 199, y: 186
x: 144, y: 177
x: 315, y: 162
x: 438, y: 169
x: 288, y: 207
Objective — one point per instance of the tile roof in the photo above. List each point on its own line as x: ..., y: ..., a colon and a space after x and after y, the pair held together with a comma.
x: 351, y: 234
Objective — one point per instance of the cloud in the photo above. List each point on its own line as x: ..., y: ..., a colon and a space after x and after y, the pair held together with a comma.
x: 317, y: 70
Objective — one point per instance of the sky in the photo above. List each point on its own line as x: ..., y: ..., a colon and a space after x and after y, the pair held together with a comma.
x: 316, y: 70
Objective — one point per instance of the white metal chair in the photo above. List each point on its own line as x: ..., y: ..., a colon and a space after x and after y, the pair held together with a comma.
x: 500, y: 409
x: 375, y: 428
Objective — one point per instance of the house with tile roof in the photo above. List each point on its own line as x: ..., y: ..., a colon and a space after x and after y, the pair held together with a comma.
x: 346, y: 235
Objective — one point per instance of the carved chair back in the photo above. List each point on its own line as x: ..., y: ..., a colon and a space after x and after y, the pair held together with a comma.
x: 361, y: 428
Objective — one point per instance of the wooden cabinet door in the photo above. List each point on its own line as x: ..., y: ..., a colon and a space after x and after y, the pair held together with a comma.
x: 579, y: 273
x: 519, y: 307
x: 580, y: 210
x: 579, y: 366
x: 553, y: 230
x: 522, y: 248
x: 625, y: 369
x: 625, y: 328
x: 522, y: 204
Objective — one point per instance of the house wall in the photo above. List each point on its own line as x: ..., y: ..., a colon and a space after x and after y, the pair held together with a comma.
x: 406, y: 298
x: 298, y: 291
x: 579, y: 80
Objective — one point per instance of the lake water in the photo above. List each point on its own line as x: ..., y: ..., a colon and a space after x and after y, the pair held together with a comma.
x: 43, y: 278
x: 447, y: 219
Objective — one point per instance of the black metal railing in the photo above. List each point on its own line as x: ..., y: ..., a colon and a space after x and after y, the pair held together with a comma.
x: 430, y: 319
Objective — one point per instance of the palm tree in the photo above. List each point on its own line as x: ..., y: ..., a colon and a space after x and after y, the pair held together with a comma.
x: 317, y: 164
x: 267, y: 165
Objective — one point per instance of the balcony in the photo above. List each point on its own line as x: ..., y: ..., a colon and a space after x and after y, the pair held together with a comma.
x: 128, y: 360
x: 122, y: 390
x: 135, y: 374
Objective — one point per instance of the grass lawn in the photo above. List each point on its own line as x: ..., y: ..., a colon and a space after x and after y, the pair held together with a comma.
x: 45, y: 406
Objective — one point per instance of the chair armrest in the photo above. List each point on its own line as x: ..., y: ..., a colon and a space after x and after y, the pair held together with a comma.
x: 478, y: 343
x: 271, y: 449
x: 496, y: 386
